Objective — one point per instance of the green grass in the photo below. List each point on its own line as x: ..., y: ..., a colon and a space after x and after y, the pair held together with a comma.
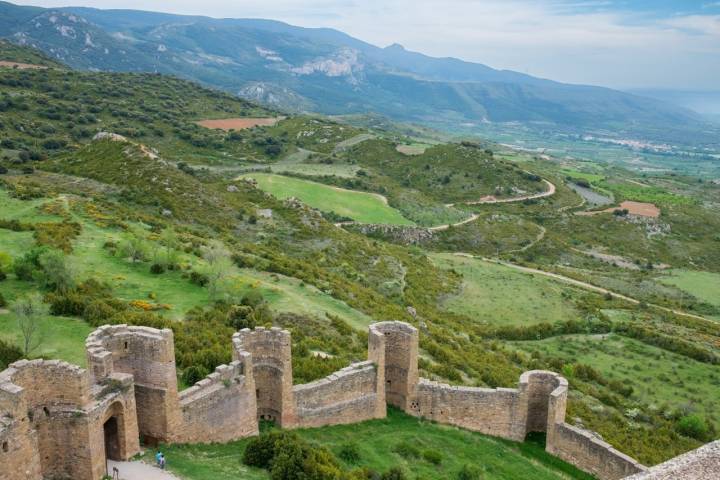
x: 61, y: 338
x: 704, y: 286
x: 665, y: 380
x: 285, y: 294
x: 360, y: 206
x: 23, y: 210
x: 500, y: 295
x: 648, y: 194
x: 376, y: 440
x: 590, y: 177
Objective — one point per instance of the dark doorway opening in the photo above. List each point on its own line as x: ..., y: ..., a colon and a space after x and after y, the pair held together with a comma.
x: 112, y: 439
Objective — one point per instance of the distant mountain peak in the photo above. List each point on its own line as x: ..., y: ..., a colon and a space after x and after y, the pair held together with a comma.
x: 396, y: 46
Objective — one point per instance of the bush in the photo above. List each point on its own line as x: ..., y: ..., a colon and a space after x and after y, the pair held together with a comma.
x: 253, y: 299
x: 350, y: 453
x: 3, y: 302
x: 3, y: 276
x: 469, y: 472
x: 432, y: 456
x: 693, y: 426
x: 406, y: 450
x: 261, y: 450
x: 194, y: 374
x: 3, y: 170
x: 395, y: 473
x: 98, y: 312
x: 199, y: 278
x: 157, y: 269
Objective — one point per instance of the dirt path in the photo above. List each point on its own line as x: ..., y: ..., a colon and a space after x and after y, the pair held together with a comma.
x: 581, y: 284
x: 351, y: 142
x: 539, y: 238
x: 491, y: 200
x: 140, y: 471
x: 442, y: 228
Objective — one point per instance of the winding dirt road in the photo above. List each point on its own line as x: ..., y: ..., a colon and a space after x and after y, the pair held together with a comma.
x: 441, y: 228
x: 490, y: 199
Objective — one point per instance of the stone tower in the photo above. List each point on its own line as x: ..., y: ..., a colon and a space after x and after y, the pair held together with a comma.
x: 401, y: 361
x: 271, y: 354
x: 148, y: 355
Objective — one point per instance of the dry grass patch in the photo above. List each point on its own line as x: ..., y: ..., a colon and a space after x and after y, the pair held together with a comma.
x: 228, y: 124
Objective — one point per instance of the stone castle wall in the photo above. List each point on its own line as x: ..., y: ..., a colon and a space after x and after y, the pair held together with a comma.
x: 347, y: 396
x: 583, y: 448
x: 57, y: 426
x: 54, y: 417
x: 148, y: 355
x: 270, y: 350
x: 221, y: 407
x: 401, y: 361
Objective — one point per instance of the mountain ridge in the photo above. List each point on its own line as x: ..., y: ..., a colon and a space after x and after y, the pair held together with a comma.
x: 330, y: 72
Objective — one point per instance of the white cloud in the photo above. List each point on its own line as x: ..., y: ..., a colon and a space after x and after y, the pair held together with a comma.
x: 581, y: 41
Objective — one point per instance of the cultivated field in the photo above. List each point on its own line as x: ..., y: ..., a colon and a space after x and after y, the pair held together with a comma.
x: 228, y: 124
x: 21, y: 66
x: 412, y: 149
x: 359, y: 206
x: 640, y: 209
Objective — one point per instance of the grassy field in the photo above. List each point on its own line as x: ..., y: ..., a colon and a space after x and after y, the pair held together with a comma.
x: 360, y: 206
x: 376, y: 441
x: 590, y: 177
x: 60, y: 338
x: 704, y: 286
x: 502, y: 296
x: 660, y: 378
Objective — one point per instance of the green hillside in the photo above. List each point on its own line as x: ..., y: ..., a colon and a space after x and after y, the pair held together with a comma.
x: 157, y: 229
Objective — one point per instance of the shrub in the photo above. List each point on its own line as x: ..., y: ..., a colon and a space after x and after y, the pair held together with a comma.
x: 350, y: 453
x: 406, y: 450
x: 432, y: 456
x: 693, y: 426
x: 194, y: 374
x: 253, y: 299
x: 98, y: 312
x: 261, y: 450
x: 71, y: 304
x: 3, y: 302
x: 3, y: 276
x: 199, y: 278
x: 241, y: 316
x: 157, y: 269
x: 469, y: 472
x: 395, y: 473
x: 25, y: 268
x: 3, y: 170
x: 56, y: 271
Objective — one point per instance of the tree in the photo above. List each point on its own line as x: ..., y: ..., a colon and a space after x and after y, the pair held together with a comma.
x: 57, y: 273
x: 219, y: 265
x: 29, y: 310
x: 133, y: 247
x: 169, y: 238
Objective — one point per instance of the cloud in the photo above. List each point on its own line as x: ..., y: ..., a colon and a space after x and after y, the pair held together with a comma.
x: 584, y: 41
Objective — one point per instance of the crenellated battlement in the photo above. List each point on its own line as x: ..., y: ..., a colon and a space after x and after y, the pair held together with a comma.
x: 130, y: 391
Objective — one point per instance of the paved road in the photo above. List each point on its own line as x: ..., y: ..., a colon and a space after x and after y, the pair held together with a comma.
x: 140, y: 471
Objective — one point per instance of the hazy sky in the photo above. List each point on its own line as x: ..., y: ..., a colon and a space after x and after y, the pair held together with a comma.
x: 621, y: 44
